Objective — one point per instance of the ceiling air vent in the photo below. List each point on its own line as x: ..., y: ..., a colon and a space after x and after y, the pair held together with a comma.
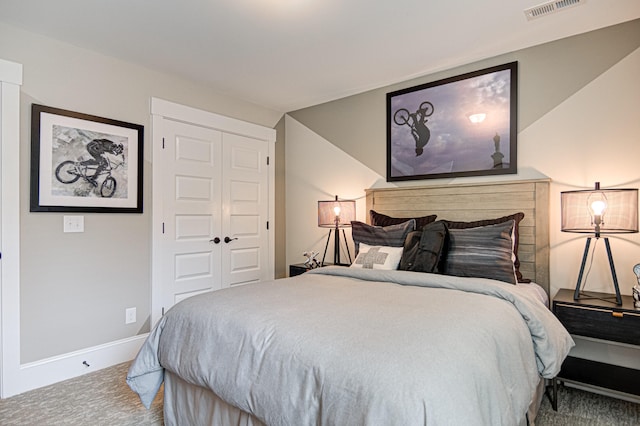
x: 550, y: 7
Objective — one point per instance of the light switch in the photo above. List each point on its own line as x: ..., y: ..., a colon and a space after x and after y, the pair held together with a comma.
x: 73, y: 224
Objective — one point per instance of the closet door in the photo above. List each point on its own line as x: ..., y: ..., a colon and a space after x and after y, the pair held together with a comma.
x: 212, y: 200
x: 245, y: 192
x: 191, y: 242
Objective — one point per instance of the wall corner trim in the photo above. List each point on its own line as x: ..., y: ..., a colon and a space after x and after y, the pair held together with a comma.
x: 10, y: 81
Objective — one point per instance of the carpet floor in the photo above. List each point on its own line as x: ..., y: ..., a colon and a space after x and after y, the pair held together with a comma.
x: 104, y: 399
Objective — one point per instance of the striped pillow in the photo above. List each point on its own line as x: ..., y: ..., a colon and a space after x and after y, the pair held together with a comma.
x: 517, y: 217
x: 390, y: 236
x: 482, y: 252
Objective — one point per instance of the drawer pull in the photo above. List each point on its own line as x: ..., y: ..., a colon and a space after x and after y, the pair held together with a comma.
x: 617, y: 314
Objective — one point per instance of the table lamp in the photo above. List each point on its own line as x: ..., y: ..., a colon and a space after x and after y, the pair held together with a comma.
x: 336, y: 214
x: 599, y: 211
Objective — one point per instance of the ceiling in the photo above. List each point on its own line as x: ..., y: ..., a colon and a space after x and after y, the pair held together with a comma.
x: 290, y: 54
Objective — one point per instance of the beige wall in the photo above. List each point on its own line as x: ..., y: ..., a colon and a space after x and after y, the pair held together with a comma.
x: 548, y: 74
x: 75, y: 287
x: 578, y: 123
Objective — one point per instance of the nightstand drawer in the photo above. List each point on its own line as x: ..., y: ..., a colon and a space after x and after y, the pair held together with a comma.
x: 600, y: 322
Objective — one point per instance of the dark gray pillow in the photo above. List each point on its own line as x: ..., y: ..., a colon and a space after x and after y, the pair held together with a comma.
x: 390, y: 236
x: 482, y: 252
x: 423, y: 249
x: 517, y: 217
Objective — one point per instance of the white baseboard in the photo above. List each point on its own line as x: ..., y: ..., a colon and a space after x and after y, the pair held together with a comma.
x: 67, y: 366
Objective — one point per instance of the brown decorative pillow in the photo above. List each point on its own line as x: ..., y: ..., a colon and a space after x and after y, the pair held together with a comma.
x: 379, y: 219
x: 516, y: 217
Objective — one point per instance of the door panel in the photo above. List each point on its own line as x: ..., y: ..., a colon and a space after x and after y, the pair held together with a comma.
x: 196, y: 150
x: 245, y: 159
x: 194, y: 188
x: 243, y: 260
x: 245, y: 194
x: 193, y: 227
x: 245, y: 226
x: 191, y: 210
x: 190, y: 267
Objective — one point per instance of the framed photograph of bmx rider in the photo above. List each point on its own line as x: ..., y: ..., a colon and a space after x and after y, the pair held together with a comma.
x: 84, y: 163
x: 459, y: 126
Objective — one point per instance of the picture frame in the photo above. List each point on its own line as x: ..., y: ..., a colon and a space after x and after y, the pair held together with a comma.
x: 459, y: 126
x: 84, y: 163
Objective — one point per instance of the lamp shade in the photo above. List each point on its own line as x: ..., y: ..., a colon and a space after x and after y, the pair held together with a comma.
x: 336, y: 213
x: 607, y: 211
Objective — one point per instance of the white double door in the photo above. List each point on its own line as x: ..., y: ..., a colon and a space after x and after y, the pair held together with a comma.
x: 215, y: 210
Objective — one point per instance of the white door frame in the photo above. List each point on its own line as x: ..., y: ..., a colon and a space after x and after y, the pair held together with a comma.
x: 10, y: 82
x: 161, y: 109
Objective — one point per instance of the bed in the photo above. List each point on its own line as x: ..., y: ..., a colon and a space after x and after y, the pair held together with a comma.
x: 372, y: 344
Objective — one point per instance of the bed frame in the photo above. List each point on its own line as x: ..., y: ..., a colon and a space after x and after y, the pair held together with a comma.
x: 463, y: 202
x: 476, y: 201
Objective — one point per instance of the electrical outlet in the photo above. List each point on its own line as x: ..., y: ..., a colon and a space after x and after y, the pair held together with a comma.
x: 130, y: 315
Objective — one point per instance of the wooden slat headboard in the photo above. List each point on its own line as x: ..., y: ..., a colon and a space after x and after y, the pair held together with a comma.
x: 476, y: 201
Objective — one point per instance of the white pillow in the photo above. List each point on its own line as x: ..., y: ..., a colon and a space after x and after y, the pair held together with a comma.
x: 378, y: 257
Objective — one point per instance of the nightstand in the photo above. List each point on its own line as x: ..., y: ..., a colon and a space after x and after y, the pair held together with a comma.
x: 608, y: 322
x: 297, y: 269
x: 300, y: 268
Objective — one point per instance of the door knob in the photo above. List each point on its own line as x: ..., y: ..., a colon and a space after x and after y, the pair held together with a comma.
x: 228, y: 240
x: 216, y: 240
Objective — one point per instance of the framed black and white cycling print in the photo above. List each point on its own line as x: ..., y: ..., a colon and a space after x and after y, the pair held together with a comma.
x: 460, y: 126
x: 84, y: 163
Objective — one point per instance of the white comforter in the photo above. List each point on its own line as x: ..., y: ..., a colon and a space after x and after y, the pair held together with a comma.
x: 343, y: 346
